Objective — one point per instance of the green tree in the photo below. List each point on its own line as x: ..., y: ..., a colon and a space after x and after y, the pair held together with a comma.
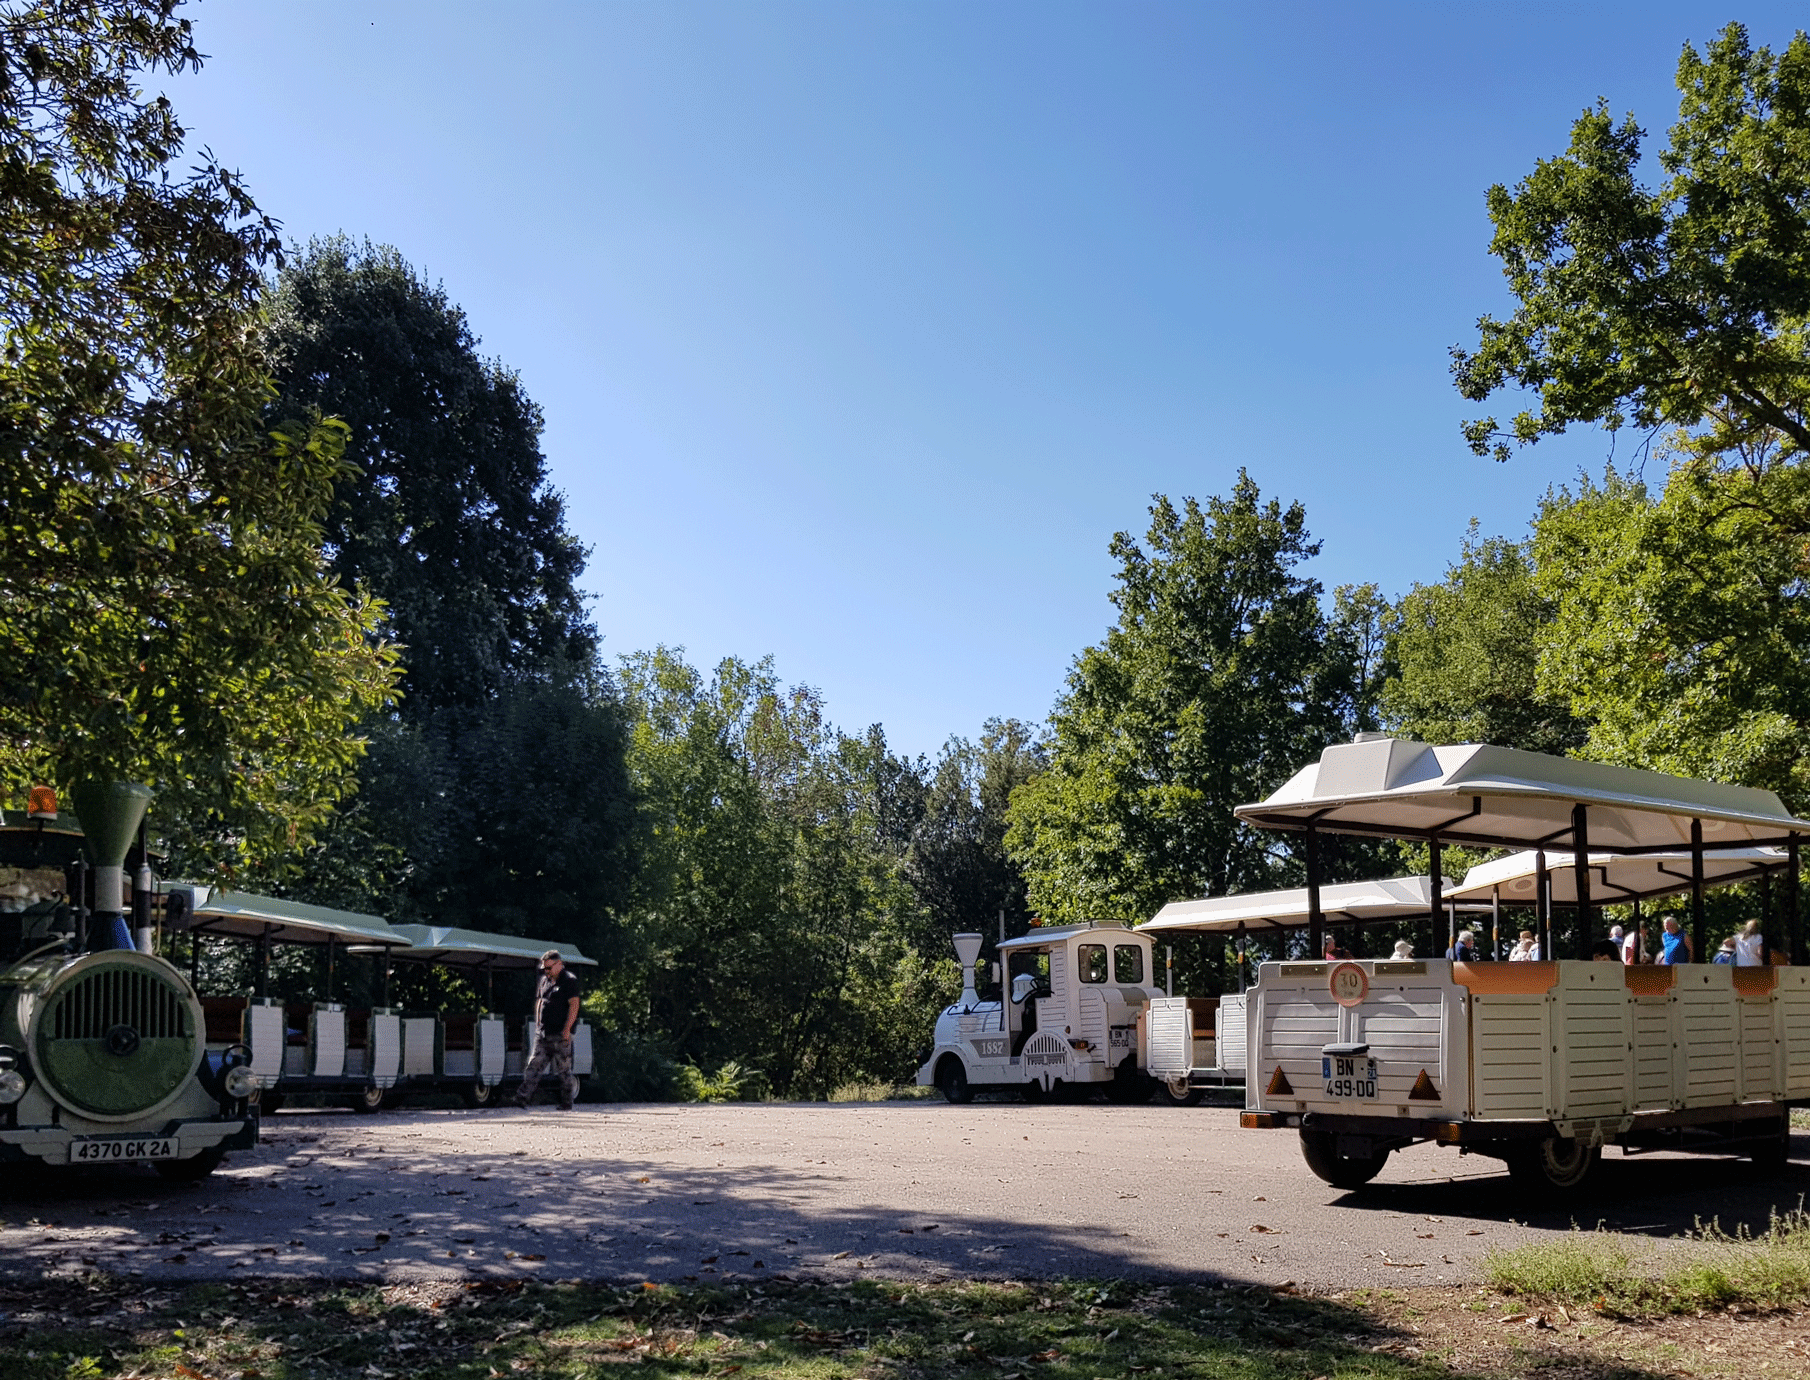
x: 1684, y: 305
x: 1464, y: 655
x: 450, y: 517
x: 165, y: 613
x: 1681, y: 628
x: 1218, y: 681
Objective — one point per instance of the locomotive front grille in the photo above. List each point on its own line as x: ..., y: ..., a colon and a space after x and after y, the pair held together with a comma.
x: 116, y: 1036
x: 100, y: 1002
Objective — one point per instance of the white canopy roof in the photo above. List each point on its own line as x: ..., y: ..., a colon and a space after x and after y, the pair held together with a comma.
x: 1388, y: 899
x: 1504, y: 797
x: 246, y: 916
x: 1613, y: 877
x: 479, y: 948
x: 1055, y: 934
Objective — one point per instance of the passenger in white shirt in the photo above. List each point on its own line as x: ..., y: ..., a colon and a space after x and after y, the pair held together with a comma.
x: 1524, y: 950
x: 1747, y: 946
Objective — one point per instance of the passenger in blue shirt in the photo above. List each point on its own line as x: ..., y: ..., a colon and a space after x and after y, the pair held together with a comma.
x: 1726, y: 954
x: 1676, y: 943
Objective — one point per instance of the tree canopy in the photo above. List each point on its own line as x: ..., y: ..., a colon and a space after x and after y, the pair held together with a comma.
x: 1685, y: 305
x: 165, y: 613
x: 1220, y: 678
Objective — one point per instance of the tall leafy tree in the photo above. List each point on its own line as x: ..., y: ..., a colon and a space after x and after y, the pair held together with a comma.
x: 1681, y: 628
x: 1681, y: 305
x: 498, y: 793
x: 1215, y: 684
x: 165, y: 612
x: 1464, y: 655
x: 450, y: 515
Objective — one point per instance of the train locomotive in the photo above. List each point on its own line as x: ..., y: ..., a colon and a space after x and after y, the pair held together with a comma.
x: 103, y: 1052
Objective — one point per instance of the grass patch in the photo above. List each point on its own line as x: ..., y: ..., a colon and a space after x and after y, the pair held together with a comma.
x: 1619, y: 1276
x: 776, y: 1331
x: 881, y: 1092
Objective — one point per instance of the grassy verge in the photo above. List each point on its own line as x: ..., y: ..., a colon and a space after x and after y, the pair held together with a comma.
x: 1067, y: 1331
x: 1625, y: 1277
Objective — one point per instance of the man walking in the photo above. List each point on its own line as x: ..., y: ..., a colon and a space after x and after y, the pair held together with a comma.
x: 555, y: 1016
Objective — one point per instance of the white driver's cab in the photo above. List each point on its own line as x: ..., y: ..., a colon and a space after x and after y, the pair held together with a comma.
x: 1065, y: 1017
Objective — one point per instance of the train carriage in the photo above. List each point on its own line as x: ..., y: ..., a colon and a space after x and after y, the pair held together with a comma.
x: 1541, y: 1063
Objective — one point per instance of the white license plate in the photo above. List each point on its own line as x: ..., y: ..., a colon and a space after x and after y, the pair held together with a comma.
x: 1354, y: 1078
x: 95, y: 1151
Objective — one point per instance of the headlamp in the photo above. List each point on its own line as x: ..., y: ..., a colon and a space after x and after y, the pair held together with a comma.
x: 12, y: 1087
x: 240, y: 1081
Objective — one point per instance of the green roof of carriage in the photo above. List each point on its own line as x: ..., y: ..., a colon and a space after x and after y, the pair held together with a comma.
x: 289, y: 922
x: 447, y: 944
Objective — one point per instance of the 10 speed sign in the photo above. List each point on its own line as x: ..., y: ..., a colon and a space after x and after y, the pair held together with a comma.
x: 1349, y: 983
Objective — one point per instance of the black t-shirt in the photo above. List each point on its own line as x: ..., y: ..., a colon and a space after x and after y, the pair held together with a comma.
x: 555, y: 998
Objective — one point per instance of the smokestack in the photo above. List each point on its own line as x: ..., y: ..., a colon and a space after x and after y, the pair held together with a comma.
x: 110, y: 813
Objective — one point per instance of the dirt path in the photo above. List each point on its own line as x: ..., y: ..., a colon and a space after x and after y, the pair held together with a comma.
x: 908, y: 1190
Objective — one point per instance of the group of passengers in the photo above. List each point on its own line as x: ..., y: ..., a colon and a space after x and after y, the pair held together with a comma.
x: 1742, y: 949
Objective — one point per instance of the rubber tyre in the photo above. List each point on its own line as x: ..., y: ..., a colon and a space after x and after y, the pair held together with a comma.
x: 1554, y: 1166
x: 1033, y: 1093
x: 1320, y: 1150
x: 372, y: 1098
x: 1774, y: 1153
x: 1177, y: 1093
x: 1132, y: 1091
x: 477, y: 1094
x: 952, y: 1081
x: 192, y: 1170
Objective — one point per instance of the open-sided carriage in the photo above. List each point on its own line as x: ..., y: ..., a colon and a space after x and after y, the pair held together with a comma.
x: 369, y: 1057
x: 1539, y: 1064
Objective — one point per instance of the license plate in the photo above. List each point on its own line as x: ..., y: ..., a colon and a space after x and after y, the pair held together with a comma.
x: 95, y: 1151
x: 1355, y: 1078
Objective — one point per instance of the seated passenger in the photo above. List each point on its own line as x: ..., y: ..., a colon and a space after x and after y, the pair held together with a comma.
x: 1524, y: 950
x: 1605, y: 951
x: 1403, y: 949
x: 1675, y: 943
x: 1748, y: 944
x: 1726, y: 954
x: 1464, y: 951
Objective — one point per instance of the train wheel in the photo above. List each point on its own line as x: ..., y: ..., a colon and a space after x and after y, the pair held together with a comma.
x: 952, y: 1081
x: 1555, y: 1165
x: 1129, y: 1088
x: 1177, y: 1093
x: 372, y: 1098
x: 1321, y: 1151
x: 192, y: 1170
x: 478, y: 1094
x: 1774, y: 1153
x: 1034, y: 1092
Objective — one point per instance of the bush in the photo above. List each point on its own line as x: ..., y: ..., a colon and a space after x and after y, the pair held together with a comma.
x: 631, y: 1067
x: 732, y: 1082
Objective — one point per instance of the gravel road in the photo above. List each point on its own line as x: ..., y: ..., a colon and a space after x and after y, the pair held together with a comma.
x: 909, y: 1190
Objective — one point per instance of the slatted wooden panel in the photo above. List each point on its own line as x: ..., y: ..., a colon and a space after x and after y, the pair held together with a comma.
x: 1593, y: 1032
x: 1510, y: 1048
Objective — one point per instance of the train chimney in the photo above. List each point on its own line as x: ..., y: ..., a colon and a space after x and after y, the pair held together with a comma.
x: 110, y: 813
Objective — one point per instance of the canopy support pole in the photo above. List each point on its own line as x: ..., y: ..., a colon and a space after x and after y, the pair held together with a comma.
x: 1640, y: 942
x: 1316, y: 923
x: 329, y: 967
x: 1495, y: 922
x: 1580, y: 872
x: 1765, y: 917
x: 1542, y: 887
x: 1436, y: 885
x: 1794, y: 934
x: 194, y: 957
x: 1699, y: 924
x: 1243, y: 957
x: 264, y: 965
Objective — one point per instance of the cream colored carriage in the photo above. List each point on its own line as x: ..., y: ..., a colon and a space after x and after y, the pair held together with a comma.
x: 1538, y: 1063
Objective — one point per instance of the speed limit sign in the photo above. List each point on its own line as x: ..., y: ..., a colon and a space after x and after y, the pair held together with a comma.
x: 1350, y: 984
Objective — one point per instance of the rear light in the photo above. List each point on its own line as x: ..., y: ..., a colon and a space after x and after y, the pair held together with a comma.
x: 1259, y: 1121
x: 1449, y: 1132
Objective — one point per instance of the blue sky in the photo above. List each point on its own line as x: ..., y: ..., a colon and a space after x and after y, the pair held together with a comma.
x: 860, y: 328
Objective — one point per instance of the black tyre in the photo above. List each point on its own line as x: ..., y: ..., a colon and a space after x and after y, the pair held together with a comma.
x: 372, y: 1098
x: 1555, y: 1165
x: 1773, y: 1153
x: 952, y: 1081
x: 192, y: 1170
x: 1129, y: 1088
x: 1177, y: 1093
x: 1321, y: 1151
x: 478, y: 1094
x: 1033, y: 1092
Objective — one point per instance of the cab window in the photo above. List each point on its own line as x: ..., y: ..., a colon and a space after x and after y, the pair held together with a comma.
x: 1128, y: 963
x: 1092, y: 962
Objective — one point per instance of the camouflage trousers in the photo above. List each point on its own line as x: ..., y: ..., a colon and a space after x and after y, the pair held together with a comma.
x: 551, y: 1055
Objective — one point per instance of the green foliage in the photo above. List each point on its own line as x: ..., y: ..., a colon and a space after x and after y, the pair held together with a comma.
x: 498, y: 797
x: 1685, y: 305
x: 1621, y: 1276
x: 1219, y: 680
x: 449, y: 515
x: 1681, y: 623
x: 165, y: 613
x: 1464, y: 655
x: 730, y: 1083
x: 630, y: 1066
x: 772, y: 921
